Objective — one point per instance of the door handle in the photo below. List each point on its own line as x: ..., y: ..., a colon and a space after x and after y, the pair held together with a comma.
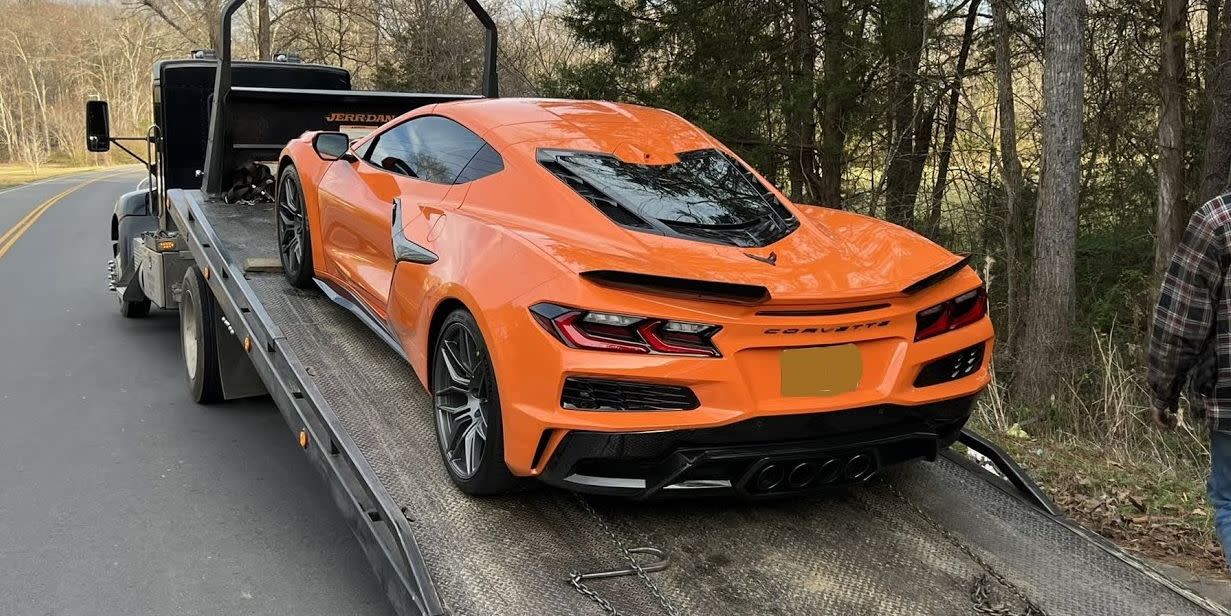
x: 430, y: 210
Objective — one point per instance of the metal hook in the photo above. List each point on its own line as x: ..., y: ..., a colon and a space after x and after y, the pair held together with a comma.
x: 661, y: 562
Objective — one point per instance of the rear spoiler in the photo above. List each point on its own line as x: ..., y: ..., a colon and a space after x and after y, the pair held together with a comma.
x: 936, y: 278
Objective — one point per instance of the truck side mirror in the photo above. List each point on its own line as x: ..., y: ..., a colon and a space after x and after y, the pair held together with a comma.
x: 97, y: 126
x: 331, y: 146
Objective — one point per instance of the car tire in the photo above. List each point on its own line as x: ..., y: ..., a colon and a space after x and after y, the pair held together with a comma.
x: 466, y: 408
x: 199, y: 339
x: 294, y: 238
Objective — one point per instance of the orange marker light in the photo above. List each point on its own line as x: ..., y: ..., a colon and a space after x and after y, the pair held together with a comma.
x: 247, y: 344
x: 303, y: 439
x: 166, y: 245
x: 205, y: 272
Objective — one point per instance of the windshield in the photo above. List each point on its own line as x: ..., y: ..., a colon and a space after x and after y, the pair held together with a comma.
x: 707, y: 195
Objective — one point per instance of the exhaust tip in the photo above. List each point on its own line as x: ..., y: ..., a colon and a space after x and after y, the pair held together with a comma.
x: 858, y: 467
x: 802, y: 475
x: 829, y: 471
x: 770, y: 477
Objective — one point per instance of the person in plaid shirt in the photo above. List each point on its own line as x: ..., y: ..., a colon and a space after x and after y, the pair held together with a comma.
x: 1191, y: 342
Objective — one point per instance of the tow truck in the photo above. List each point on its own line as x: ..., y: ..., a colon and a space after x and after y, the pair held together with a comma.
x: 967, y: 533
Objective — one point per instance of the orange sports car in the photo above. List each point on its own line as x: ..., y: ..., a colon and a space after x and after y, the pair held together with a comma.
x: 605, y: 297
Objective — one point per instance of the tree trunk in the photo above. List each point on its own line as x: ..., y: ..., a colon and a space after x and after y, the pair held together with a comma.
x: 1047, y: 330
x: 800, y: 104
x: 955, y: 96
x: 904, y: 22
x: 1212, y: 21
x: 263, y: 42
x: 925, y: 126
x: 1215, y: 166
x: 1013, y: 222
x: 834, y: 86
x: 1171, y: 214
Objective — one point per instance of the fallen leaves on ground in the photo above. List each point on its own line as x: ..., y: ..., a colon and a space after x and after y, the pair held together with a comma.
x: 1156, y: 512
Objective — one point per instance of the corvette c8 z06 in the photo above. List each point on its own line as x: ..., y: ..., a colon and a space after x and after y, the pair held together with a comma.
x: 605, y: 297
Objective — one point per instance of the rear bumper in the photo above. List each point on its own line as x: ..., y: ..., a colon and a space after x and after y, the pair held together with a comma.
x: 757, y: 458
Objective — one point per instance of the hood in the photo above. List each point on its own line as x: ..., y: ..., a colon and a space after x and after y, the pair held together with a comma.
x: 833, y: 257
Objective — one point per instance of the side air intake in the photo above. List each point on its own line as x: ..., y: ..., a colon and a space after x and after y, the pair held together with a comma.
x: 588, y: 394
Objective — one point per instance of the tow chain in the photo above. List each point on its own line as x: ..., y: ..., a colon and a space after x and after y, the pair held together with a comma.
x: 980, y: 591
x: 577, y: 578
x: 980, y: 594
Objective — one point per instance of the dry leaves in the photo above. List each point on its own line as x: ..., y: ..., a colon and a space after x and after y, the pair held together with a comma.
x: 1171, y: 533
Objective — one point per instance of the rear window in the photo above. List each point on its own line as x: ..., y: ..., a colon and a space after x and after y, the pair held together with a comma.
x: 706, y: 196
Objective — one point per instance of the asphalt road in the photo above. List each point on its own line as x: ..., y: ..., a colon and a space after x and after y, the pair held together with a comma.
x: 118, y: 495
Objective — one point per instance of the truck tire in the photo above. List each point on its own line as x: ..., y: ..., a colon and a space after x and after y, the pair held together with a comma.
x: 467, y: 409
x: 294, y: 239
x: 126, y: 229
x: 198, y: 339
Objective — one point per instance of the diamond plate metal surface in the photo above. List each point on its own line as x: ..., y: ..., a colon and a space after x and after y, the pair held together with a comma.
x: 873, y: 550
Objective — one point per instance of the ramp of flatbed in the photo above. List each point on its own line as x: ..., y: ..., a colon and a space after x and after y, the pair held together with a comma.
x: 941, y: 538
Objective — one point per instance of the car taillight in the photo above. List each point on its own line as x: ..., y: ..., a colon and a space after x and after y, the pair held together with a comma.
x: 958, y: 312
x: 605, y: 331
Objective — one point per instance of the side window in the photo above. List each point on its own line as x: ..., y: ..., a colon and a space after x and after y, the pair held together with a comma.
x: 434, y: 149
x: 485, y: 162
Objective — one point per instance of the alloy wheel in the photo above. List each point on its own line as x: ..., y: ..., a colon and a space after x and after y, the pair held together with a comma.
x: 291, y: 225
x: 462, y: 390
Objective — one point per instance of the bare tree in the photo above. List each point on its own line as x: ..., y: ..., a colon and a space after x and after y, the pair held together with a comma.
x: 904, y: 24
x: 1171, y: 213
x: 1217, y: 161
x: 195, y: 20
x: 799, y: 105
x: 1047, y: 330
x: 955, y: 94
x: 1010, y: 170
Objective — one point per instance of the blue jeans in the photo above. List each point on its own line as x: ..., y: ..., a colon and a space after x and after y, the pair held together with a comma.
x: 1218, y: 487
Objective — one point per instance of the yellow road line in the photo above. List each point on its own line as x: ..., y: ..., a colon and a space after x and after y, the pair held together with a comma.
x: 15, y: 232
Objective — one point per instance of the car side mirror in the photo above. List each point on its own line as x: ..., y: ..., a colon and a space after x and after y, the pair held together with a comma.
x: 331, y: 146
x: 97, y: 126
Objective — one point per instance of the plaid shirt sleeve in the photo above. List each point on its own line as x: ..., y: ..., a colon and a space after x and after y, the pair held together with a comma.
x: 1187, y: 304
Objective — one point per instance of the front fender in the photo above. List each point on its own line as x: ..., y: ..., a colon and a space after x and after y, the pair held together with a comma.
x: 130, y: 218
x: 135, y: 203
x: 311, y: 168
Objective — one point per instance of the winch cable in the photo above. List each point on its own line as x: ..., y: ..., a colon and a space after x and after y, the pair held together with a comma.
x: 634, y: 567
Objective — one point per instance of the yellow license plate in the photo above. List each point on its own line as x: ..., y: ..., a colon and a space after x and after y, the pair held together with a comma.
x: 821, y: 371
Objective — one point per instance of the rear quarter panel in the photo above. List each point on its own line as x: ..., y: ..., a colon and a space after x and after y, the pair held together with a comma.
x: 482, y: 264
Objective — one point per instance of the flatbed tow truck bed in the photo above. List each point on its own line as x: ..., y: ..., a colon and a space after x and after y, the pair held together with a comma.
x: 931, y: 538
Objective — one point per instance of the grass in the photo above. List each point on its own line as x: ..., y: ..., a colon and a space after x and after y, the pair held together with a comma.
x: 1156, y: 510
x: 14, y: 174
x: 1102, y: 462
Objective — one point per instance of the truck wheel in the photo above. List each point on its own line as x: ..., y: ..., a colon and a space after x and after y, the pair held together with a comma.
x: 467, y: 409
x: 199, y: 340
x: 294, y: 241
